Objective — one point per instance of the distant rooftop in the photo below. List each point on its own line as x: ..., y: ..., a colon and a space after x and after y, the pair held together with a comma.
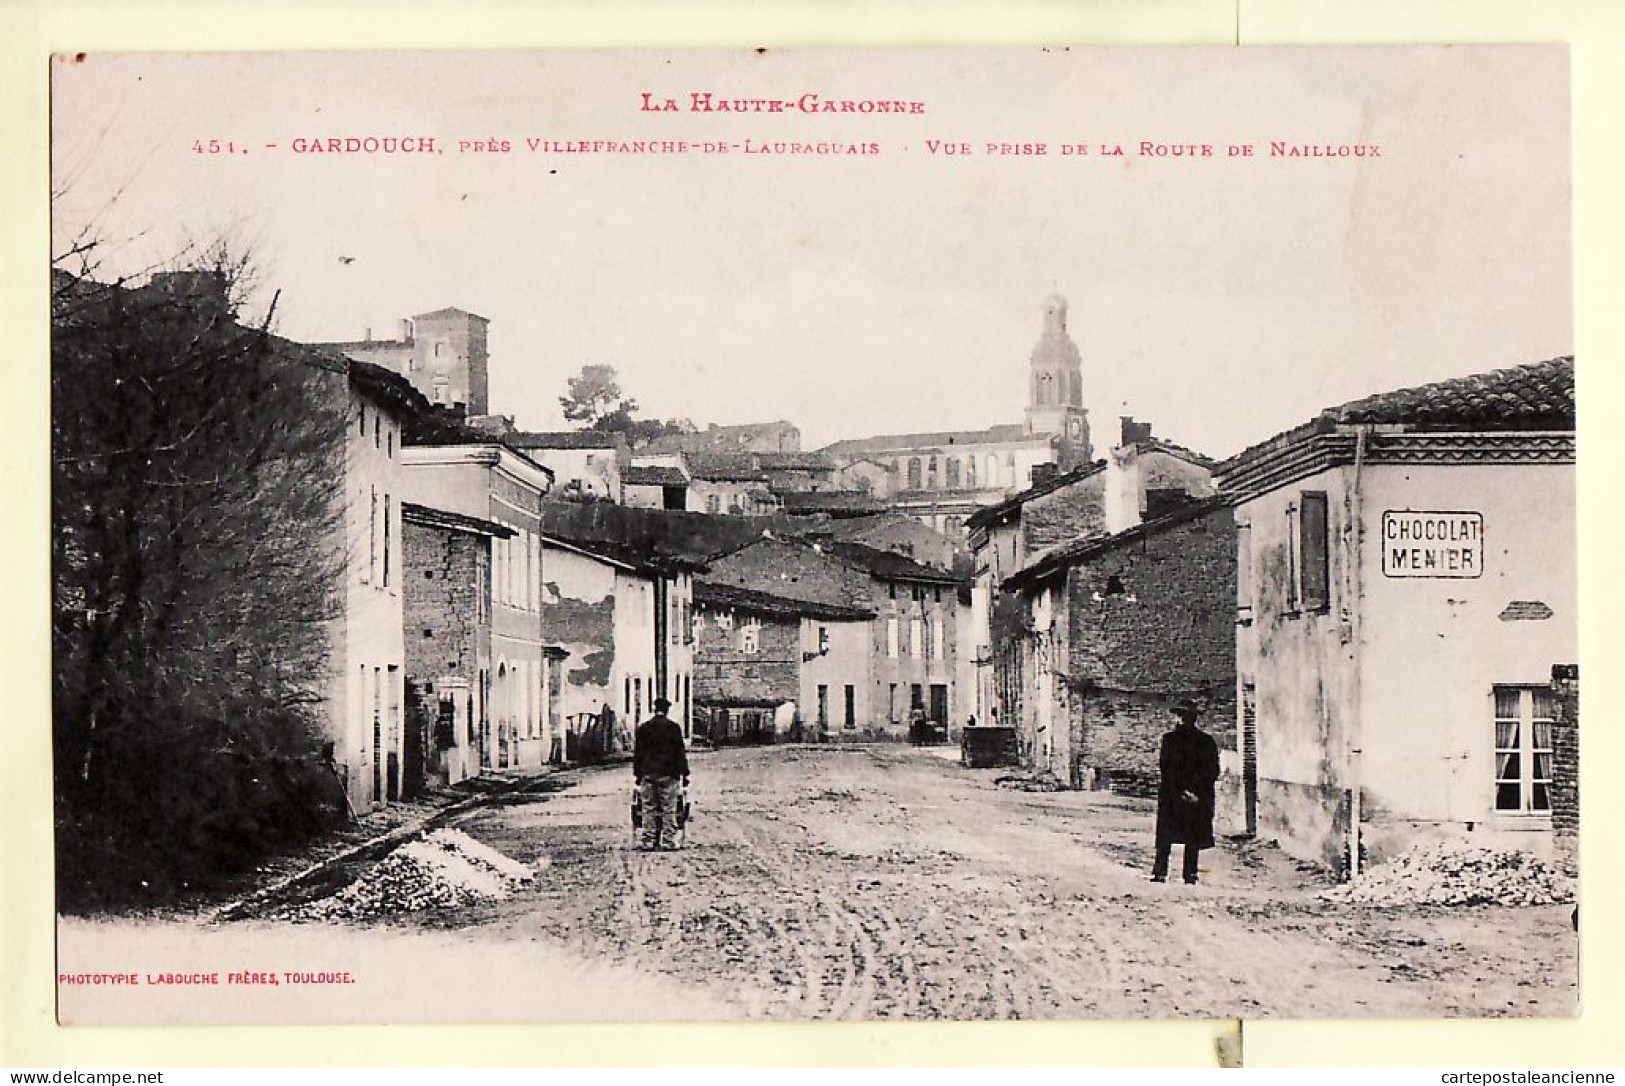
x: 564, y: 439
x: 934, y: 439
x: 765, y: 603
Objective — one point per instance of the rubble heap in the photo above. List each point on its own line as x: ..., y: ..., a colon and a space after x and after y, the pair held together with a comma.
x: 1455, y: 874
x: 446, y: 868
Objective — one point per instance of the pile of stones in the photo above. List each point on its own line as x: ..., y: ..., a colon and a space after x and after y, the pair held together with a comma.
x: 445, y: 869
x: 1444, y: 873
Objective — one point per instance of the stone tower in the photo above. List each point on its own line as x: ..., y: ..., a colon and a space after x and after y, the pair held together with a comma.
x: 1055, y: 393
x: 449, y: 359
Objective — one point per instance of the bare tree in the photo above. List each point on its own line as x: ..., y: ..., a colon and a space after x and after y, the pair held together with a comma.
x: 196, y: 471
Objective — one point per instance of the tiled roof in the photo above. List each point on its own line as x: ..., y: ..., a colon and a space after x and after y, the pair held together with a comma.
x: 887, y: 564
x: 765, y: 603
x: 935, y: 439
x: 1537, y: 396
x: 794, y: 461
x: 1157, y: 444
x: 831, y: 501
x: 644, y: 560
x: 653, y: 475
x: 389, y: 386
x: 725, y: 467
x: 564, y: 439
x: 442, y: 518
x: 450, y: 311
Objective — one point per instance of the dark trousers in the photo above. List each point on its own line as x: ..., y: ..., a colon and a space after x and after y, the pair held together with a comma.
x: 1164, y: 849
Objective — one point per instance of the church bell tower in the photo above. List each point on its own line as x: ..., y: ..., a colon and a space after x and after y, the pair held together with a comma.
x: 1055, y: 393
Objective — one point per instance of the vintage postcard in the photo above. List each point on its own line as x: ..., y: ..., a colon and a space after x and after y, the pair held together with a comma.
x: 814, y: 535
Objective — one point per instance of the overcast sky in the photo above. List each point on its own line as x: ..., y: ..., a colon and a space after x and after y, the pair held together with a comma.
x: 1222, y: 299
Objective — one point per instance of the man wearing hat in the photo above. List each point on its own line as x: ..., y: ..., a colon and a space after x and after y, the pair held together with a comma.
x: 1189, y: 764
x: 659, y: 762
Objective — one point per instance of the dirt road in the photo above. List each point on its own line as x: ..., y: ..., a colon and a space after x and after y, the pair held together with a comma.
x: 891, y: 883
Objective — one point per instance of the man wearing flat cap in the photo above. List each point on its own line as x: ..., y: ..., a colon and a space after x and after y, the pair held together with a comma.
x: 659, y: 763
x: 1190, y: 766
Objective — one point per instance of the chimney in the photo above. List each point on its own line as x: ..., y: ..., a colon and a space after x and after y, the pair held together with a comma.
x: 403, y: 330
x: 1134, y: 432
x: 1125, y: 486
x: 366, y: 335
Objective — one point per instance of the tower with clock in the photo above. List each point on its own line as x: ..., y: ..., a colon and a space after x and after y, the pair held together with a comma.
x: 1055, y: 393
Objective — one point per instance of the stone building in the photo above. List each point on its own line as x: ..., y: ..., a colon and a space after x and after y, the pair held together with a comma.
x: 367, y: 701
x: 655, y: 486
x: 588, y: 464
x: 1143, y: 478
x: 769, y: 668
x: 447, y: 613
x: 943, y: 478
x: 752, y: 437
x: 1113, y: 631
x: 911, y: 643
x: 488, y: 481
x: 622, y: 618
x: 1406, y: 584
x: 444, y: 354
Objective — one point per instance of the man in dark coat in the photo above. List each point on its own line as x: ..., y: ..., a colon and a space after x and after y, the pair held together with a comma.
x: 659, y: 762
x: 1190, y: 765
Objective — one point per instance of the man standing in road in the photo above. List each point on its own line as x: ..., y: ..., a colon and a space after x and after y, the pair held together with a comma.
x: 659, y: 762
x: 1190, y: 765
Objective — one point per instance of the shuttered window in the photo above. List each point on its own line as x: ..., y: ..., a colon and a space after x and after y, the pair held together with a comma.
x: 1313, y: 562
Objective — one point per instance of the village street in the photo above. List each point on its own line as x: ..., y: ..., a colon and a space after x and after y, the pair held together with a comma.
x: 889, y: 882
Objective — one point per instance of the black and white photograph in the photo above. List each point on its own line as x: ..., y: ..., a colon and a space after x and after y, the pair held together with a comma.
x: 813, y: 535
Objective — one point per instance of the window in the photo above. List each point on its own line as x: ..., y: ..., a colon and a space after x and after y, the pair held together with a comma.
x: 931, y: 473
x: 389, y: 443
x: 992, y: 470
x: 377, y: 428
x: 851, y: 719
x: 1523, y: 748
x: 970, y: 471
x: 936, y: 640
x: 1244, y: 572
x: 891, y: 637
x: 891, y: 702
x: 953, y: 473
x: 823, y: 707
x: 386, y: 541
x: 914, y: 473
x: 750, y: 635
x: 891, y: 590
x: 1313, y: 563
x: 361, y: 421
x: 725, y: 620
x: 372, y: 536
x: 916, y: 637
x: 823, y: 640
x: 713, y: 503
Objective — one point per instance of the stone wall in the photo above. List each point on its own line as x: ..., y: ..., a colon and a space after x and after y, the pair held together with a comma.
x: 442, y: 579
x: 726, y: 674
x: 1124, y: 730
x: 1151, y: 621
x: 1566, y: 768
